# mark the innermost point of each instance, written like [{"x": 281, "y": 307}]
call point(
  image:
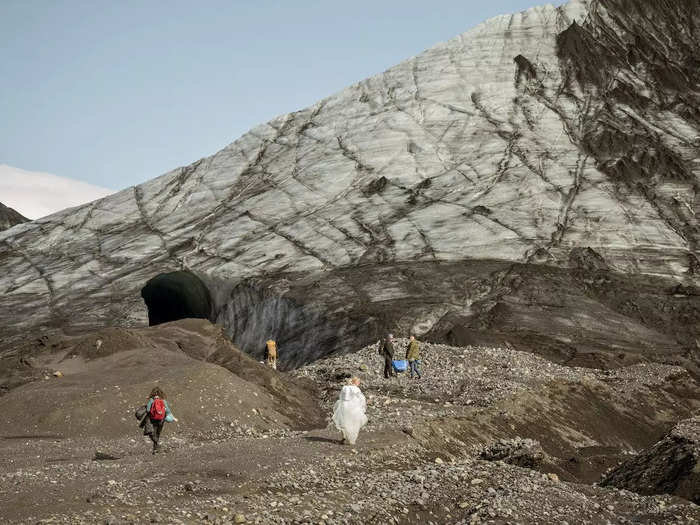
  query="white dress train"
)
[{"x": 349, "y": 412}]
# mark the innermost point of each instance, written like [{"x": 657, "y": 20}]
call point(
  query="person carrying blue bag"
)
[
  {"x": 400, "y": 365},
  {"x": 386, "y": 349},
  {"x": 413, "y": 355}
]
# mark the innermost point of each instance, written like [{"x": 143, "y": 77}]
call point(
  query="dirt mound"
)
[
  {"x": 103, "y": 343},
  {"x": 90, "y": 385},
  {"x": 668, "y": 467}
]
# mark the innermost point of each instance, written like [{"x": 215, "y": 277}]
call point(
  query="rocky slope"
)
[
  {"x": 488, "y": 435},
  {"x": 10, "y": 217},
  {"x": 532, "y": 182},
  {"x": 668, "y": 467},
  {"x": 470, "y": 397}
]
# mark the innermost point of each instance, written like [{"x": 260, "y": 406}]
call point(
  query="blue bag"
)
[{"x": 400, "y": 365}]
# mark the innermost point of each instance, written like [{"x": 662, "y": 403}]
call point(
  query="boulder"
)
[
  {"x": 525, "y": 453},
  {"x": 671, "y": 466}
]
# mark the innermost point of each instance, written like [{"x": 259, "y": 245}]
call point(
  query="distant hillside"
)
[{"x": 9, "y": 217}]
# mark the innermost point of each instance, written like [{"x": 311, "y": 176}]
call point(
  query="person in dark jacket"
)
[
  {"x": 156, "y": 397},
  {"x": 387, "y": 350},
  {"x": 413, "y": 356}
]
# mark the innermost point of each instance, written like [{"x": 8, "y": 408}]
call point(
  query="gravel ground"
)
[
  {"x": 455, "y": 378},
  {"x": 235, "y": 473}
]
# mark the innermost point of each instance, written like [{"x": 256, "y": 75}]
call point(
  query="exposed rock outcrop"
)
[
  {"x": 671, "y": 466},
  {"x": 10, "y": 217},
  {"x": 543, "y": 164}
]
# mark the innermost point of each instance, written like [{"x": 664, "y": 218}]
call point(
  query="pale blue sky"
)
[{"x": 117, "y": 92}]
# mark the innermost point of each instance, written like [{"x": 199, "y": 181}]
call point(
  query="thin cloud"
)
[{"x": 36, "y": 195}]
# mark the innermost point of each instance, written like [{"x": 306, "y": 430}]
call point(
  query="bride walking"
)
[{"x": 349, "y": 411}]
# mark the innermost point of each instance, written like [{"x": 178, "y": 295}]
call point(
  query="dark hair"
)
[{"x": 157, "y": 392}]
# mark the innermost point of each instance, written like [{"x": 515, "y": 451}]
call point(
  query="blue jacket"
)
[{"x": 168, "y": 415}]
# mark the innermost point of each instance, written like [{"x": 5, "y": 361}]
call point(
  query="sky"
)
[
  {"x": 115, "y": 93},
  {"x": 36, "y": 195}
]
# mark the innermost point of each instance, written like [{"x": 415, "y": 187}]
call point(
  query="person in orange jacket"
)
[{"x": 271, "y": 353}]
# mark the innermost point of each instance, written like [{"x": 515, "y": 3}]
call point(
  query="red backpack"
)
[{"x": 157, "y": 412}]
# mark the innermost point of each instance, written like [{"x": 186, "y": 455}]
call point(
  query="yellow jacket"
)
[{"x": 412, "y": 351}]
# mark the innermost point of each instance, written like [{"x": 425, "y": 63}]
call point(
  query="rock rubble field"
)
[{"x": 488, "y": 435}]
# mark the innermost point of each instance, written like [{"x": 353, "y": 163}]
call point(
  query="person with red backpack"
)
[{"x": 158, "y": 413}]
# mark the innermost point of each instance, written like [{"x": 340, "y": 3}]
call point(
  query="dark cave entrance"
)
[{"x": 176, "y": 295}]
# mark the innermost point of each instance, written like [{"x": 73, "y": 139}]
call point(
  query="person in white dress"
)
[{"x": 349, "y": 411}]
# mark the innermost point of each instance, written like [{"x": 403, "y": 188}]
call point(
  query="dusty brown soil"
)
[{"x": 107, "y": 375}]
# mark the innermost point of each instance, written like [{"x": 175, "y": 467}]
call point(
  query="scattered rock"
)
[
  {"x": 105, "y": 456},
  {"x": 525, "y": 453}
]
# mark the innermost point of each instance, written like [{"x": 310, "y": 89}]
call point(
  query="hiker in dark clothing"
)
[
  {"x": 158, "y": 412},
  {"x": 413, "y": 356},
  {"x": 387, "y": 350}
]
